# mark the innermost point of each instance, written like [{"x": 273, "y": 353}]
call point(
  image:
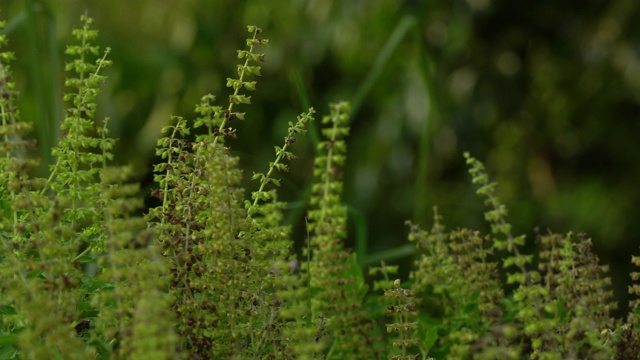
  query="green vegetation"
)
[{"x": 212, "y": 273}]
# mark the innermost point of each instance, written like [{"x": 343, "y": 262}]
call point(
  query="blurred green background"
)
[{"x": 546, "y": 93}]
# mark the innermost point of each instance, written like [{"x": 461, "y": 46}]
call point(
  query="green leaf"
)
[
  {"x": 34, "y": 274},
  {"x": 515, "y": 278},
  {"x": 254, "y": 70},
  {"x": 102, "y": 349},
  {"x": 86, "y": 259},
  {"x": 5, "y": 207},
  {"x": 166, "y": 129},
  {"x": 8, "y": 348},
  {"x": 471, "y": 308},
  {"x": 7, "y": 310},
  {"x": 428, "y": 338},
  {"x": 357, "y": 275},
  {"x": 7, "y": 352}
]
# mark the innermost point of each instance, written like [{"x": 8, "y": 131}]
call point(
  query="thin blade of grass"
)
[
  {"x": 390, "y": 254},
  {"x": 362, "y": 237},
  {"x": 14, "y": 23},
  {"x": 41, "y": 119},
  {"x": 303, "y": 95},
  {"x": 425, "y": 66},
  {"x": 405, "y": 24},
  {"x": 56, "y": 77}
]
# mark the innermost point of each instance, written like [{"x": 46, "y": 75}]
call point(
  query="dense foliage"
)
[
  {"x": 544, "y": 92},
  {"x": 211, "y": 273}
]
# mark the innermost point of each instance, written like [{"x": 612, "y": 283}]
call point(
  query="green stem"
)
[{"x": 237, "y": 88}]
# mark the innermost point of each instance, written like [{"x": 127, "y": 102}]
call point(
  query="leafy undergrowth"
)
[{"x": 211, "y": 273}]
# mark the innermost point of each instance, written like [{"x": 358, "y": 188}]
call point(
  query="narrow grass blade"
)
[
  {"x": 389, "y": 255},
  {"x": 362, "y": 237},
  {"x": 314, "y": 133},
  {"x": 41, "y": 120},
  {"x": 405, "y": 24},
  {"x": 425, "y": 66}
]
